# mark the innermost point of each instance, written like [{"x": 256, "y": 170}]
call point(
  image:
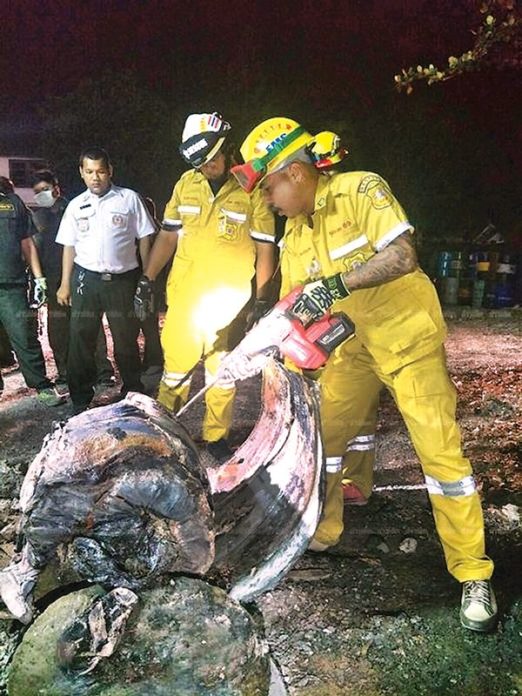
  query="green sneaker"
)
[
  {"x": 50, "y": 397},
  {"x": 478, "y": 609}
]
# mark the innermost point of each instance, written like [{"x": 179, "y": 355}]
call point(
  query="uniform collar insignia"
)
[{"x": 321, "y": 192}]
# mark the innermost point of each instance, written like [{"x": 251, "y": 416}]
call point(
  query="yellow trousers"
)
[
  {"x": 193, "y": 329},
  {"x": 426, "y": 400},
  {"x": 357, "y": 434}
]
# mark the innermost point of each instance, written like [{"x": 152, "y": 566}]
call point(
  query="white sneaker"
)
[{"x": 478, "y": 608}]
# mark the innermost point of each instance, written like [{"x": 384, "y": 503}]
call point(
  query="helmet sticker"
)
[{"x": 202, "y": 138}]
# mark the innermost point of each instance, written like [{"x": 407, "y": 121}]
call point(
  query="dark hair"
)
[
  {"x": 95, "y": 153},
  {"x": 44, "y": 175},
  {"x": 6, "y": 185}
]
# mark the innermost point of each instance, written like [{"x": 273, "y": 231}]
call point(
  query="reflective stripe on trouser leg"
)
[
  {"x": 349, "y": 400},
  {"x": 219, "y": 401},
  {"x": 169, "y": 394},
  {"x": 331, "y": 525},
  {"x": 426, "y": 399},
  {"x": 359, "y": 461},
  {"x": 182, "y": 348}
]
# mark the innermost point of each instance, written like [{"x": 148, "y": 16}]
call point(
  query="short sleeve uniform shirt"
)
[
  {"x": 15, "y": 225},
  {"x": 217, "y": 234},
  {"x": 103, "y": 229},
  {"x": 356, "y": 216}
]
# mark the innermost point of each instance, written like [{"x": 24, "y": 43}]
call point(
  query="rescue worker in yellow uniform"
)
[
  {"x": 223, "y": 239},
  {"x": 348, "y": 240}
]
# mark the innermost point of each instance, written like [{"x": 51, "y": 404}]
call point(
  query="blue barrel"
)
[
  {"x": 450, "y": 291},
  {"x": 505, "y": 285},
  {"x": 444, "y": 264}
]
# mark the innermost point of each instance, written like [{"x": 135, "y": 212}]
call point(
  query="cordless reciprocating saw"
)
[{"x": 308, "y": 347}]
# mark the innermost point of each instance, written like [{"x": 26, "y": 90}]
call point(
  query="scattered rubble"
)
[{"x": 361, "y": 621}]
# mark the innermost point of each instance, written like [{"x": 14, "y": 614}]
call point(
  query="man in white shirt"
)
[{"x": 100, "y": 271}]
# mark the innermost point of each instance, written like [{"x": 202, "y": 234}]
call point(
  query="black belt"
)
[{"x": 108, "y": 276}]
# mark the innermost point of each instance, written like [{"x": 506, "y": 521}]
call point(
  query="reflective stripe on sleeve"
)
[
  {"x": 171, "y": 224},
  {"x": 233, "y": 215},
  {"x": 453, "y": 489},
  {"x": 333, "y": 465},
  {"x": 347, "y": 248},
  {"x": 393, "y": 234},
  {"x": 189, "y": 209},
  {"x": 261, "y": 236},
  {"x": 361, "y": 443},
  {"x": 172, "y": 379}
]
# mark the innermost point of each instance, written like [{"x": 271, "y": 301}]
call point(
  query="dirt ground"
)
[{"x": 378, "y": 615}]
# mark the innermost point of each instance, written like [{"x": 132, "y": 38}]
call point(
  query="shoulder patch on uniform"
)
[
  {"x": 368, "y": 181},
  {"x": 377, "y": 191}
]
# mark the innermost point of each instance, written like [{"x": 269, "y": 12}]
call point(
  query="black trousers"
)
[
  {"x": 7, "y": 358},
  {"x": 91, "y": 297},
  {"x": 21, "y": 326},
  {"x": 153, "y": 352},
  {"x": 58, "y": 327}
]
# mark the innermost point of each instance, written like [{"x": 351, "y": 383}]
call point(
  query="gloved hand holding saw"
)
[
  {"x": 299, "y": 327},
  {"x": 317, "y": 297}
]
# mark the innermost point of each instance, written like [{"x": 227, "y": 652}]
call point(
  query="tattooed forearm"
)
[{"x": 394, "y": 261}]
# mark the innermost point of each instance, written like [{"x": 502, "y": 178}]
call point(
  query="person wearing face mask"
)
[
  {"x": 223, "y": 242},
  {"x": 47, "y": 217}
]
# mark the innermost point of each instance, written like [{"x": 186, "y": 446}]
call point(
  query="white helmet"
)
[{"x": 202, "y": 138}]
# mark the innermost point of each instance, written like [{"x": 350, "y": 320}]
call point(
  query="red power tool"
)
[
  {"x": 307, "y": 346},
  {"x": 310, "y": 346}
]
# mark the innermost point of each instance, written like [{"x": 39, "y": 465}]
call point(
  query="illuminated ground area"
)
[{"x": 373, "y": 618}]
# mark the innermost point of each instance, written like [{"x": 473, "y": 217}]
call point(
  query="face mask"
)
[{"x": 45, "y": 199}]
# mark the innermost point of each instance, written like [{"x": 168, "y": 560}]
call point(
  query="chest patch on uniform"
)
[
  {"x": 83, "y": 224},
  {"x": 229, "y": 224},
  {"x": 118, "y": 220},
  {"x": 6, "y": 206},
  {"x": 377, "y": 191}
]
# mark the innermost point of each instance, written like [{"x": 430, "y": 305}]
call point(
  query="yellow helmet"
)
[
  {"x": 325, "y": 150},
  {"x": 276, "y": 142}
]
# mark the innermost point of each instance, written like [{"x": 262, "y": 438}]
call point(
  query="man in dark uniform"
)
[
  {"x": 47, "y": 217},
  {"x": 16, "y": 244}
]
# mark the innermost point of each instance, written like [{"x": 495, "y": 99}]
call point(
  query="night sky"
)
[{"x": 329, "y": 64}]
